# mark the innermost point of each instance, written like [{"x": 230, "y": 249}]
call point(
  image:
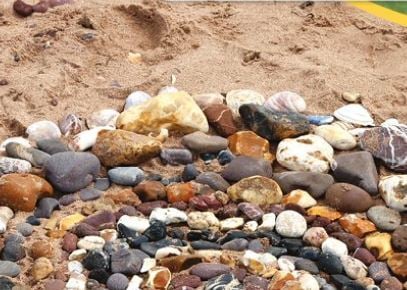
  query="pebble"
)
[
  {"x": 77, "y": 281},
  {"x": 95, "y": 259},
  {"x": 320, "y": 119},
  {"x": 207, "y": 99},
  {"x": 13, "y": 165},
  {"x": 71, "y": 124},
  {"x": 19, "y": 140},
  {"x": 67, "y": 199},
  {"x": 41, "y": 268},
  {"x": 41, "y": 249},
  {"x": 10, "y": 269},
  {"x": 45, "y": 207},
  {"x": 127, "y": 261},
  {"x": 354, "y": 114},
  {"x": 71, "y": 171},
  {"x": 220, "y": 117},
  {"x": 13, "y": 249},
  {"x": 354, "y": 268},
  {"x": 202, "y": 143},
  {"x": 286, "y": 101},
  {"x": 189, "y": 173},
  {"x": 380, "y": 245},
  {"x": 117, "y": 281},
  {"x": 106, "y": 117},
  {"x": 236, "y": 98},
  {"x": 399, "y": 238},
  {"x": 214, "y": 180},
  {"x": 311, "y": 253},
  {"x": 128, "y": 176},
  {"x": 135, "y": 283},
  {"x": 306, "y": 153},
  {"x": 91, "y": 243},
  {"x": 393, "y": 191},
  {"x": 248, "y": 143},
  {"x": 231, "y": 223},
  {"x": 68, "y": 222},
  {"x": 379, "y": 271},
  {"x": 299, "y": 197},
  {"x": 291, "y": 224},
  {"x": 334, "y": 247},
  {"x": 54, "y": 284},
  {"x": 330, "y": 263},
  {"x": 136, "y": 98},
  {"x": 32, "y": 220},
  {"x": 158, "y": 278},
  {"x": 225, "y": 281},
  {"x": 88, "y": 194},
  {"x": 364, "y": 255},
  {"x": 42, "y": 130},
  {"x": 52, "y": 146},
  {"x": 176, "y": 156},
  {"x": 268, "y": 222},
  {"x": 351, "y": 241},
  {"x": 156, "y": 231},
  {"x": 168, "y": 215},
  {"x": 351, "y": 97},
  {"x": 348, "y": 198},
  {"x": 306, "y": 265},
  {"x": 36, "y": 157},
  {"x": 102, "y": 183},
  {"x": 5, "y": 215},
  {"x": 315, "y": 236},
  {"x": 384, "y": 218},
  {"x": 202, "y": 220},
  {"x": 251, "y": 211},
  {"x": 206, "y": 271},
  {"x": 25, "y": 229},
  {"x": 391, "y": 283},
  {"x": 86, "y": 139},
  {"x": 6, "y": 283},
  {"x": 244, "y": 166},
  {"x": 75, "y": 266},
  {"x": 337, "y": 137},
  {"x": 397, "y": 264},
  {"x": 186, "y": 280},
  {"x": 69, "y": 242},
  {"x": 357, "y": 224},
  {"x": 134, "y": 223}
]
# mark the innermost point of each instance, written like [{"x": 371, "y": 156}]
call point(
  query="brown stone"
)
[
  {"x": 150, "y": 190},
  {"x": 250, "y": 144},
  {"x": 357, "y": 225},
  {"x": 346, "y": 197},
  {"x": 41, "y": 249},
  {"x": 179, "y": 263},
  {"x": 21, "y": 191},
  {"x": 124, "y": 196},
  {"x": 398, "y": 264},
  {"x": 364, "y": 255},
  {"x": 399, "y": 238},
  {"x": 42, "y": 268},
  {"x": 391, "y": 283},
  {"x": 56, "y": 234},
  {"x": 147, "y": 207},
  {"x": 180, "y": 192},
  {"x": 69, "y": 242},
  {"x": 54, "y": 284},
  {"x": 119, "y": 147},
  {"x": 324, "y": 211},
  {"x": 186, "y": 280},
  {"x": 220, "y": 117}
]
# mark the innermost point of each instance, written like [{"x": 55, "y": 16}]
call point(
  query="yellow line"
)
[{"x": 381, "y": 12}]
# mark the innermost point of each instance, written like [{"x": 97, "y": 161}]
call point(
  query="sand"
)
[{"x": 318, "y": 51}]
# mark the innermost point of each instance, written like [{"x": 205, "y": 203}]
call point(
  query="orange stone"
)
[
  {"x": 324, "y": 211},
  {"x": 398, "y": 264},
  {"x": 180, "y": 192},
  {"x": 21, "y": 191},
  {"x": 357, "y": 225},
  {"x": 41, "y": 249},
  {"x": 124, "y": 196},
  {"x": 250, "y": 144},
  {"x": 280, "y": 279}
]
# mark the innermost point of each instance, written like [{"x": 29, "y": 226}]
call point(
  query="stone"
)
[
  {"x": 337, "y": 137},
  {"x": 20, "y": 191},
  {"x": 106, "y": 117},
  {"x": 67, "y": 199},
  {"x": 312, "y": 182},
  {"x": 387, "y": 144},
  {"x": 384, "y": 218},
  {"x": 54, "y": 284},
  {"x": 220, "y": 117},
  {"x": 334, "y": 247},
  {"x": 19, "y": 140},
  {"x": 42, "y": 130},
  {"x": 189, "y": 173},
  {"x": 91, "y": 243},
  {"x": 41, "y": 249},
  {"x": 236, "y": 245},
  {"x": 13, "y": 165},
  {"x": 186, "y": 280},
  {"x": 251, "y": 211},
  {"x": 236, "y": 98},
  {"x": 291, "y": 224},
  {"x": 128, "y": 176},
  {"x": 364, "y": 255},
  {"x": 399, "y": 238},
  {"x": 391, "y": 283},
  {"x": 244, "y": 166},
  {"x": 268, "y": 222},
  {"x": 180, "y": 192},
  {"x": 380, "y": 245},
  {"x": 397, "y": 263},
  {"x": 202, "y": 143},
  {"x": 5, "y": 215},
  {"x": 173, "y": 111},
  {"x": 306, "y": 265},
  {"x": 135, "y": 283},
  {"x": 205, "y": 202},
  {"x": 125, "y": 196},
  {"x": 71, "y": 171},
  {"x": 175, "y": 156},
  {"x": 206, "y": 271},
  {"x": 126, "y": 261},
  {"x": 280, "y": 279},
  {"x": 214, "y": 180},
  {"x": 150, "y": 190},
  {"x": 41, "y": 268},
  {"x": 325, "y": 212},
  {"x": 117, "y": 281},
  {"x": 393, "y": 189},
  {"x": 25, "y": 229},
  {"x": 102, "y": 183},
  {"x": 180, "y": 263},
  {"x": 36, "y": 157},
  {"x": 258, "y": 190},
  {"x": 168, "y": 215},
  {"x": 351, "y": 97},
  {"x": 87, "y": 194},
  {"x": 77, "y": 281},
  {"x": 120, "y": 148},
  {"x": 86, "y": 139},
  {"x": 136, "y": 98},
  {"x": 69, "y": 242},
  {"x": 158, "y": 278},
  {"x": 351, "y": 241},
  {"x": 32, "y": 220},
  {"x": 156, "y": 231},
  {"x": 71, "y": 125},
  {"x": 147, "y": 207},
  {"x": 70, "y": 221},
  {"x": 311, "y": 253},
  {"x": 379, "y": 271},
  {"x": 354, "y": 268},
  {"x": 231, "y": 223},
  {"x": 357, "y": 168},
  {"x": 135, "y": 223},
  {"x": 315, "y": 236},
  {"x": 52, "y": 146},
  {"x": 348, "y": 198},
  {"x": 83, "y": 230},
  {"x": 310, "y": 153},
  {"x": 9, "y": 269},
  {"x": 45, "y": 207},
  {"x": 248, "y": 143},
  {"x": 75, "y": 266},
  {"x": 202, "y": 220},
  {"x": 299, "y": 197},
  {"x": 357, "y": 225},
  {"x": 286, "y": 101},
  {"x": 273, "y": 125},
  {"x": 207, "y": 99},
  {"x": 95, "y": 259},
  {"x": 330, "y": 263}
]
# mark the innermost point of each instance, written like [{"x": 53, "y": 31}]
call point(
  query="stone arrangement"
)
[{"x": 206, "y": 192}]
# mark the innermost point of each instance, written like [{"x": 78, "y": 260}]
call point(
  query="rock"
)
[
  {"x": 224, "y": 157},
  {"x": 102, "y": 183},
  {"x": 251, "y": 211},
  {"x": 325, "y": 212},
  {"x": 231, "y": 223},
  {"x": 357, "y": 168},
  {"x": 6, "y": 283},
  {"x": 273, "y": 125},
  {"x": 248, "y": 143},
  {"x": 206, "y": 271},
  {"x": 21, "y": 191},
  {"x": 67, "y": 199},
  {"x": 311, "y": 253},
  {"x": 330, "y": 263},
  {"x": 34, "y": 156},
  {"x": 150, "y": 190},
  {"x": 5, "y": 215},
  {"x": 364, "y": 255},
  {"x": 397, "y": 263},
  {"x": 42, "y": 130},
  {"x": 168, "y": 215},
  {"x": 202, "y": 143},
  {"x": 393, "y": 190},
  {"x": 174, "y": 111},
  {"x": 156, "y": 231},
  {"x": 45, "y": 207},
  {"x": 319, "y": 120},
  {"x": 87, "y": 194},
  {"x": 380, "y": 245},
  {"x": 9, "y": 269},
  {"x": 243, "y": 166},
  {"x": 54, "y": 284},
  {"x": 186, "y": 280},
  {"x": 348, "y": 198},
  {"x": 71, "y": 124},
  {"x": 129, "y": 176},
  {"x": 126, "y": 261},
  {"x": 95, "y": 259},
  {"x": 180, "y": 263},
  {"x": 258, "y": 190},
  {"x": 354, "y": 114},
  {"x": 136, "y": 98},
  {"x": 20, "y": 140},
  {"x": 176, "y": 156},
  {"x": 119, "y": 147},
  {"x": 158, "y": 278},
  {"x": 68, "y": 222},
  {"x": 189, "y": 173},
  {"x": 306, "y": 153},
  {"x": 208, "y": 99},
  {"x": 83, "y": 230},
  {"x": 202, "y": 220},
  {"x": 334, "y": 247},
  {"x": 291, "y": 224},
  {"x": 236, "y": 98},
  {"x": 106, "y": 117},
  {"x": 351, "y": 97},
  {"x": 315, "y": 236},
  {"x": 86, "y": 139},
  {"x": 312, "y": 182},
  {"x": 221, "y": 118},
  {"x": 379, "y": 271},
  {"x": 77, "y": 281},
  {"x": 52, "y": 146},
  {"x": 336, "y": 137},
  {"x": 214, "y": 180},
  {"x": 41, "y": 268},
  {"x": 351, "y": 241},
  {"x": 13, "y": 165},
  {"x": 354, "y": 268},
  {"x": 391, "y": 283},
  {"x": 384, "y": 218},
  {"x": 41, "y": 249},
  {"x": 306, "y": 265},
  {"x": 286, "y": 101},
  {"x": 205, "y": 202},
  {"x": 69, "y": 242},
  {"x": 399, "y": 238},
  {"x": 147, "y": 207},
  {"x": 180, "y": 192},
  {"x": 135, "y": 283},
  {"x": 299, "y": 197},
  {"x": 75, "y": 266},
  {"x": 269, "y": 221},
  {"x": 388, "y": 144},
  {"x": 134, "y": 223},
  {"x": 25, "y": 229},
  {"x": 117, "y": 282},
  {"x": 71, "y": 171},
  {"x": 91, "y": 243},
  {"x": 125, "y": 196},
  {"x": 357, "y": 225}
]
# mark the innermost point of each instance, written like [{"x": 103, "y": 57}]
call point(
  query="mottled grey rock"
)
[
  {"x": 52, "y": 146},
  {"x": 102, "y": 183},
  {"x": 384, "y": 218},
  {"x": 25, "y": 229},
  {"x": 126, "y": 261},
  {"x": 129, "y": 176},
  {"x": 34, "y": 156},
  {"x": 90, "y": 194},
  {"x": 9, "y": 269},
  {"x": 117, "y": 282},
  {"x": 244, "y": 166}
]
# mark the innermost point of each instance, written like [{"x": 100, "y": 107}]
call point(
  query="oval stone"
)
[{"x": 348, "y": 198}]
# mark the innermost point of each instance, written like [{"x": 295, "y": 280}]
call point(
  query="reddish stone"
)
[
  {"x": 251, "y": 211},
  {"x": 150, "y": 190},
  {"x": 100, "y": 219},
  {"x": 250, "y": 144},
  {"x": 351, "y": 241},
  {"x": 69, "y": 242},
  {"x": 147, "y": 207},
  {"x": 186, "y": 280},
  {"x": 357, "y": 225},
  {"x": 41, "y": 249},
  {"x": 205, "y": 202},
  {"x": 364, "y": 255},
  {"x": 125, "y": 196},
  {"x": 220, "y": 117},
  {"x": 180, "y": 192}
]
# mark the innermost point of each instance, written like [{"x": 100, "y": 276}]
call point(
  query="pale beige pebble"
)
[
  {"x": 335, "y": 247},
  {"x": 135, "y": 283},
  {"x": 285, "y": 264},
  {"x": 250, "y": 226},
  {"x": 268, "y": 222},
  {"x": 365, "y": 281},
  {"x": 231, "y": 223},
  {"x": 265, "y": 258},
  {"x": 354, "y": 268},
  {"x": 77, "y": 281},
  {"x": 86, "y": 139},
  {"x": 207, "y": 99},
  {"x": 135, "y": 223},
  {"x": 68, "y": 222},
  {"x": 336, "y": 137},
  {"x": 351, "y": 97},
  {"x": 43, "y": 130},
  {"x": 106, "y": 117},
  {"x": 167, "y": 251},
  {"x": 75, "y": 266},
  {"x": 354, "y": 114},
  {"x": 134, "y": 57},
  {"x": 6, "y": 214},
  {"x": 148, "y": 264},
  {"x": 42, "y": 268},
  {"x": 91, "y": 243},
  {"x": 20, "y": 140},
  {"x": 393, "y": 189},
  {"x": 109, "y": 235},
  {"x": 306, "y": 280},
  {"x": 202, "y": 220},
  {"x": 236, "y": 98},
  {"x": 78, "y": 254},
  {"x": 300, "y": 197},
  {"x": 315, "y": 236}
]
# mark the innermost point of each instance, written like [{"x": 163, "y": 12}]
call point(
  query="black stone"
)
[
  {"x": 175, "y": 233},
  {"x": 32, "y": 220},
  {"x": 330, "y": 264},
  {"x": 154, "y": 177},
  {"x": 208, "y": 157},
  {"x": 306, "y": 265},
  {"x": 206, "y": 235},
  {"x": 275, "y": 239},
  {"x": 136, "y": 242},
  {"x": 277, "y": 251},
  {"x": 13, "y": 249},
  {"x": 233, "y": 235},
  {"x": 353, "y": 285},
  {"x": 156, "y": 231},
  {"x": 100, "y": 275},
  {"x": 96, "y": 259},
  {"x": 225, "y": 157},
  {"x": 293, "y": 246},
  {"x": 311, "y": 253},
  {"x": 6, "y": 283},
  {"x": 205, "y": 245},
  {"x": 339, "y": 280},
  {"x": 189, "y": 173}
]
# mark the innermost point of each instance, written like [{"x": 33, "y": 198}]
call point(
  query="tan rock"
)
[
  {"x": 119, "y": 147},
  {"x": 124, "y": 196},
  {"x": 250, "y": 144},
  {"x": 42, "y": 268},
  {"x": 299, "y": 197},
  {"x": 380, "y": 245},
  {"x": 398, "y": 264},
  {"x": 357, "y": 225},
  {"x": 70, "y": 221},
  {"x": 324, "y": 211},
  {"x": 41, "y": 249},
  {"x": 174, "y": 111}
]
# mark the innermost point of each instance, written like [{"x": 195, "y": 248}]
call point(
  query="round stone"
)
[
  {"x": 399, "y": 238},
  {"x": 25, "y": 229},
  {"x": 378, "y": 271},
  {"x": 117, "y": 282},
  {"x": 315, "y": 236},
  {"x": 330, "y": 263},
  {"x": 334, "y": 247},
  {"x": 291, "y": 224},
  {"x": 348, "y": 198},
  {"x": 384, "y": 218}
]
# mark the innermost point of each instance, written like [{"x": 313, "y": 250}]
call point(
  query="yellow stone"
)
[
  {"x": 42, "y": 268},
  {"x": 70, "y": 221},
  {"x": 250, "y": 144},
  {"x": 173, "y": 111},
  {"x": 324, "y": 211},
  {"x": 380, "y": 245}
]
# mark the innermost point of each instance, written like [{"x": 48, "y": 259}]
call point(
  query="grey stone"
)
[
  {"x": 9, "y": 269},
  {"x": 126, "y": 261},
  {"x": 206, "y": 271},
  {"x": 214, "y": 180},
  {"x": 34, "y": 156},
  {"x": 45, "y": 207},
  {"x": 102, "y": 183},
  {"x": 384, "y": 218},
  {"x": 176, "y": 156},
  {"x": 202, "y": 143},
  {"x": 87, "y": 194},
  {"x": 25, "y": 229},
  {"x": 129, "y": 176},
  {"x": 236, "y": 245},
  {"x": 117, "y": 282},
  {"x": 244, "y": 166},
  {"x": 52, "y": 146}
]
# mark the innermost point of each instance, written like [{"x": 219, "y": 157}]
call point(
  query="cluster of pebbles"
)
[{"x": 206, "y": 192}]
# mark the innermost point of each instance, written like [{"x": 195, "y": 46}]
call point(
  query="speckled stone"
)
[{"x": 384, "y": 218}]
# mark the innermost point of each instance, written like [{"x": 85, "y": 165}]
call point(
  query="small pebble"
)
[{"x": 25, "y": 229}]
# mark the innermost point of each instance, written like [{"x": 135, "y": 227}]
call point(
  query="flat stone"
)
[
  {"x": 126, "y": 261},
  {"x": 384, "y": 218},
  {"x": 244, "y": 166},
  {"x": 202, "y": 143},
  {"x": 14, "y": 165},
  {"x": 336, "y": 136},
  {"x": 36, "y": 157},
  {"x": 357, "y": 225},
  {"x": 175, "y": 156},
  {"x": 87, "y": 194},
  {"x": 214, "y": 180},
  {"x": 248, "y": 143},
  {"x": 206, "y": 271},
  {"x": 399, "y": 238},
  {"x": 348, "y": 198},
  {"x": 52, "y": 146},
  {"x": 220, "y": 117},
  {"x": 9, "y": 269},
  {"x": 129, "y": 176}
]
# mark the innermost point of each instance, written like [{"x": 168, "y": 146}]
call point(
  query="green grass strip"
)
[{"x": 399, "y": 6}]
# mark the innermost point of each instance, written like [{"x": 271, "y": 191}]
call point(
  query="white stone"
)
[
  {"x": 231, "y": 223},
  {"x": 335, "y": 247},
  {"x": 136, "y": 98},
  {"x": 109, "y": 235},
  {"x": 291, "y": 224},
  {"x": 134, "y": 223},
  {"x": 393, "y": 190},
  {"x": 390, "y": 122},
  {"x": 250, "y": 226},
  {"x": 307, "y": 281},
  {"x": 19, "y": 140},
  {"x": 135, "y": 283},
  {"x": 5, "y": 215},
  {"x": 43, "y": 130},
  {"x": 75, "y": 266},
  {"x": 14, "y": 165},
  {"x": 166, "y": 252},
  {"x": 78, "y": 254},
  {"x": 354, "y": 268},
  {"x": 354, "y": 114},
  {"x": 337, "y": 137},
  {"x": 236, "y": 98},
  {"x": 315, "y": 236},
  {"x": 86, "y": 139},
  {"x": 207, "y": 99},
  {"x": 301, "y": 198},
  {"x": 306, "y": 153},
  {"x": 269, "y": 221},
  {"x": 285, "y": 264},
  {"x": 202, "y": 220},
  {"x": 91, "y": 243},
  {"x": 148, "y": 264},
  {"x": 103, "y": 118},
  {"x": 167, "y": 90},
  {"x": 265, "y": 258},
  {"x": 168, "y": 215},
  {"x": 77, "y": 281}
]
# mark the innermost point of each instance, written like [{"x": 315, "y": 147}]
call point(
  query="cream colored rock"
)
[
  {"x": 107, "y": 117},
  {"x": 77, "y": 281},
  {"x": 250, "y": 226},
  {"x": 43, "y": 130},
  {"x": 91, "y": 243},
  {"x": 351, "y": 97},
  {"x": 354, "y": 268},
  {"x": 135, "y": 283},
  {"x": 265, "y": 258},
  {"x": 86, "y": 139},
  {"x": 269, "y": 222},
  {"x": 236, "y": 98},
  {"x": 19, "y": 140},
  {"x": 135, "y": 223},
  {"x": 148, "y": 264},
  {"x": 337, "y": 137},
  {"x": 202, "y": 220},
  {"x": 208, "y": 99},
  {"x": 300, "y": 197},
  {"x": 6, "y": 214},
  {"x": 173, "y": 111},
  {"x": 231, "y": 223},
  {"x": 77, "y": 255},
  {"x": 306, "y": 153},
  {"x": 393, "y": 190}
]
